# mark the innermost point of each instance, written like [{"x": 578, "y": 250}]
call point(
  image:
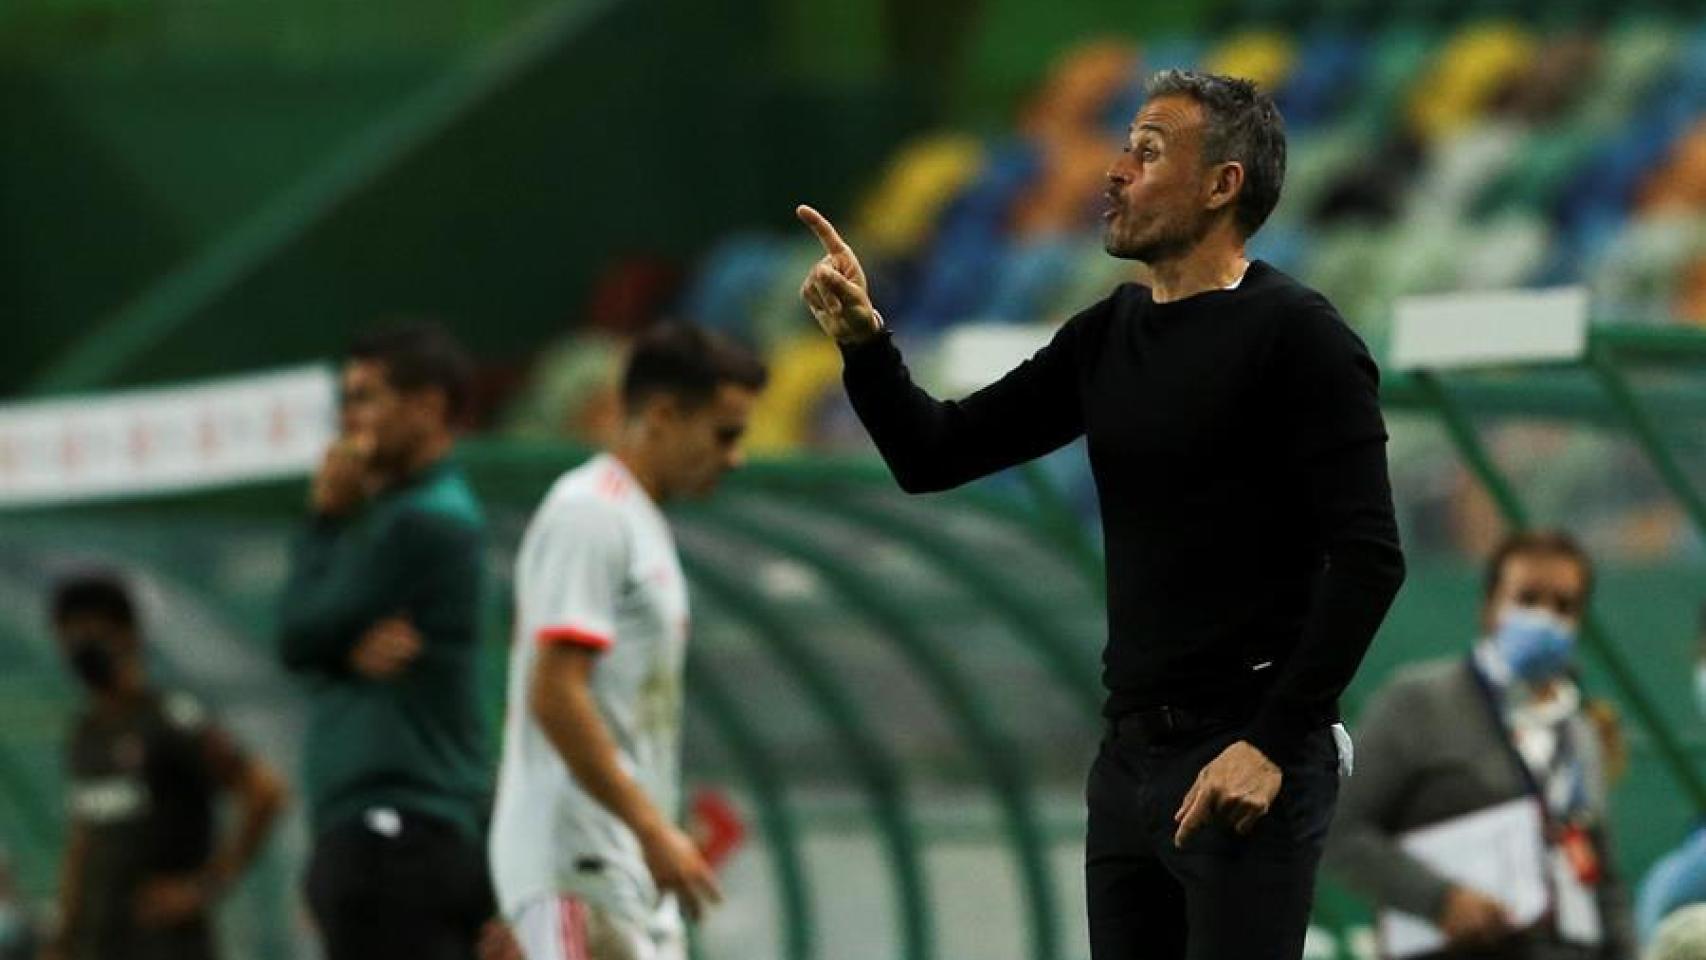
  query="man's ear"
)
[
  {"x": 436, "y": 403},
  {"x": 660, "y": 410},
  {"x": 1228, "y": 183}
]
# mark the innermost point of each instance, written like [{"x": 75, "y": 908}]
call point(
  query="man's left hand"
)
[
  {"x": 497, "y": 942},
  {"x": 1238, "y": 786},
  {"x": 386, "y": 648}
]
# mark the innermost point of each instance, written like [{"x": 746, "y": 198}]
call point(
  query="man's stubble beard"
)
[{"x": 1151, "y": 251}]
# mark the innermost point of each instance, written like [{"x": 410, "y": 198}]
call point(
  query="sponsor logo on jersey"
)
[{"x": 109, "y": 800}]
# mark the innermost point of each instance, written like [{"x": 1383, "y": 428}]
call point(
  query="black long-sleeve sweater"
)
[{"x": 1240, "y": 462}]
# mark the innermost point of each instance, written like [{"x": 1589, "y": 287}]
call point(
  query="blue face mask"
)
[{"x": 1536, "y": 645}]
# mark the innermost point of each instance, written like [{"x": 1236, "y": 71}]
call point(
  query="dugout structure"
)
[{"x": 900, "y": 693}]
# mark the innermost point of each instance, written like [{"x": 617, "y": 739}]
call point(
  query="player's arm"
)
[
  {"x": 1328, "y": 388},
  {"x": 344, "y": 610},
  {"x": 259, "y": 795},
  {"x": 322, "y": 587},
  {"x": 573, "y": 565},
  {"x": 69, "y": 928},
  {"x": 313, "y": 627},
  {"x": 927, "y": 443},
  {"x": 561, "y": 699}
]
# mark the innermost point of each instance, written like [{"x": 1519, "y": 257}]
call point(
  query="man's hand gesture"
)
[
  {"x": 835, "y": 290},
  {"x": 386, "y": 648},
  {"x": 678, "y": 867},
  {"x": 1237, "y": 787},
  {"x": 341, "y": 483}
]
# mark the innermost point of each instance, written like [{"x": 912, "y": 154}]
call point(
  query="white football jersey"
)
[{"x": 598, "y": 568}]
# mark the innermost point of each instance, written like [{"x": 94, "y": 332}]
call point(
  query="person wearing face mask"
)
[
  {"x": 1678, "y": 879},
  {"x": 1452, "y": 737},
  {"x": 144, "y": 865}
]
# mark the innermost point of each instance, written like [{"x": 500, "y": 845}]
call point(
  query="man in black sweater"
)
[{"x": 1239, "y": 454}]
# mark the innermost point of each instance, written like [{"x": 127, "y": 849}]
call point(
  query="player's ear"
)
[
  {"x": 1228, "y": 182},
  {"x": 434, "y": 403},
  {"x": 661, "y": 411}
]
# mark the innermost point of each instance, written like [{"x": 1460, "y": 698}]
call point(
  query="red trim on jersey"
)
[
  {"x": 571, "y": 925},
  {"x": 574, "y": 635},
  {"x": 613, "y": 484}
]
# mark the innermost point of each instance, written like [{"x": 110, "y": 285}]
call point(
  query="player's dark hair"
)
[
  {"x": 93, "y": 593},
  {"x": 688, "y": 363},
  {"x": 1240, "y": 123},
  {"x": 421, "y": 355},
  {"x": 1536, "y": 543}
]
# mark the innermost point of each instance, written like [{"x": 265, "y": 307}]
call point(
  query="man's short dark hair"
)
[
  {"x": 421, "y": 356},
  {"x": 1240, "y": 123},
  {"x": 688, "y": 363},
  {"x": 1536, "y": 543},
  {"x": 93, "y": 593}
]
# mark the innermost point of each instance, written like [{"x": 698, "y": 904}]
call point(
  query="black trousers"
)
[
  {"x": 420, "y": 892},
  {"x": 1224, "y": 896}
]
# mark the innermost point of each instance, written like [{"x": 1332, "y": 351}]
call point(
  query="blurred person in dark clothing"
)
[
  {"x": 380, "y": 616},
  {"x": 143, "y": 864},
  {"x": 1449, "y": 738}
]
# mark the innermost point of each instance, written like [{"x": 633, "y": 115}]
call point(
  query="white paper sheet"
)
[
  {"x": 1499, "y": 851},
  {"x": 1578, "y": 910}
]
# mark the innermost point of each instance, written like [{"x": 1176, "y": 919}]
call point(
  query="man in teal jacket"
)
[{"x": 380, "y": 617}]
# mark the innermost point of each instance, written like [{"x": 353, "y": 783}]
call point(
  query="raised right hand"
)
[
  {"x": 835, "y": 290},
  {"x": 1472, "y": 919},
  {"x": 342, "y": 480},
  {"x": 678, "y": 867}
]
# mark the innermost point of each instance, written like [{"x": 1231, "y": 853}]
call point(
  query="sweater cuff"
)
[
  {"x": 878, "y": 351},
  {"x": 1279, "y": 734}
]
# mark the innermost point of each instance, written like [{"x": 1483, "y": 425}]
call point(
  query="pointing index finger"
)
[
  {"x": 820, "y": 225},
  {"x": 1201, "y": 807}
]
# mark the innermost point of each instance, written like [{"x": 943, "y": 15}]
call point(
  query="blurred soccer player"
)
[
  {"x": 588, "y": 862},
  {"x": 1239, "y": 454},
  {"x": 143, "y": 865},
  {"x": 380, "y": 615}
]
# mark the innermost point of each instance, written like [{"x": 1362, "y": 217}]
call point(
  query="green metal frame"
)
[
  {"x": 844, "y": 489},
  {"x": 968, "y": 709},
  {"x": 1076, "y": 674},
  {"x": 761, "y": 773},
  {"x": 524, "y": 470},
  {"x": 881, "y": 775}
]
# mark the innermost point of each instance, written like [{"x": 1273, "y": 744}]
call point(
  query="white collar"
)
[{"x": 1235, "y": 284}]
